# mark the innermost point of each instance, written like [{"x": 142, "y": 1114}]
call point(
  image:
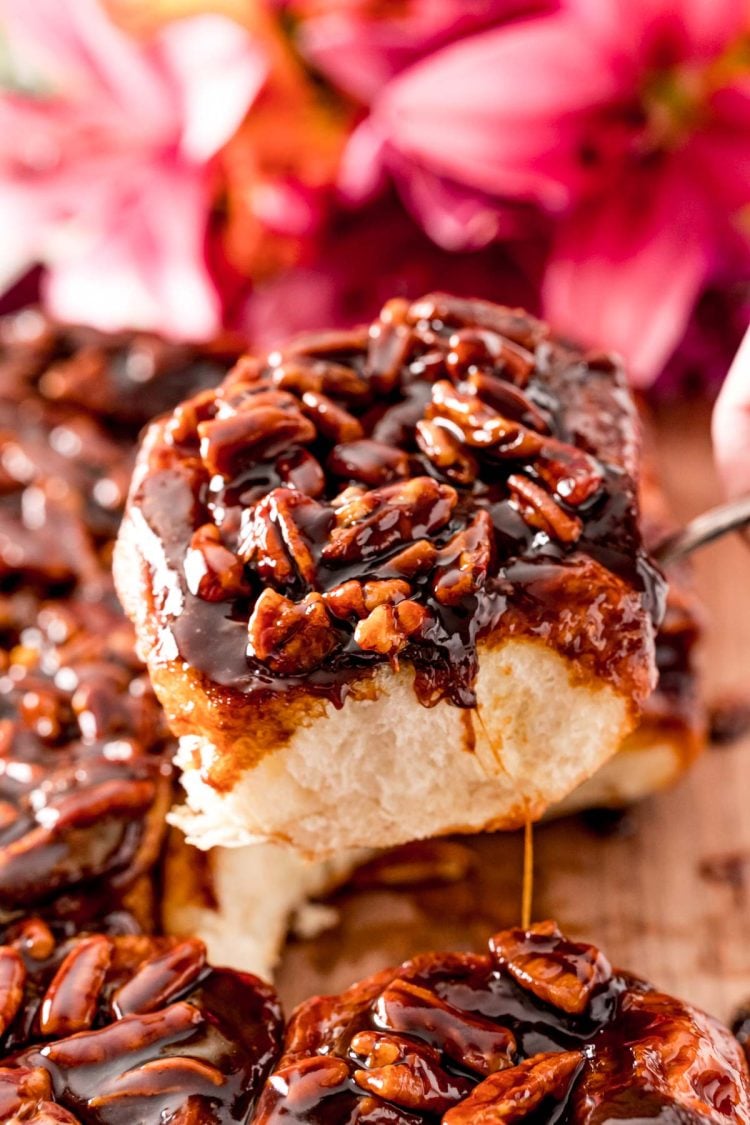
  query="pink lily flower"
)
[
  {"x": 106, "y": 170},
  {"x": 360, "y": 45},
  {"x": 628, "y": 129}
]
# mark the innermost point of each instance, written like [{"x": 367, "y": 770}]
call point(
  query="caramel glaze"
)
[
  {"x": 84, "y": 760},
  {"x": 506, "y": 461},
  {"x": 85, "y": 779},
  {"x": 116, "y": 1028},
  {"x": 538, "y": 1030}
]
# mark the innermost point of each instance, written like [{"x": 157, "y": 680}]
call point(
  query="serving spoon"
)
[{"x": 704, "y": 529}]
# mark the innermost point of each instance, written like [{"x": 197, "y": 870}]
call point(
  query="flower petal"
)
[
  {"x": 626, "y": 269},
  {"x": 217, "y": 70},
  {"x": 360, "y": 49},
  {"x": 690, "y": 29},
  {"x": 142, "y": 265},
  {"x": 81, "y": 53},
  {"x": 504, "y": 111}
]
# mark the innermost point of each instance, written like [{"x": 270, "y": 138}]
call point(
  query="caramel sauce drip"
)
[{"x": 527, "y": 894}]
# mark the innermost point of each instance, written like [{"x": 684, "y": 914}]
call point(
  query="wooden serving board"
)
[{"x": 665, "y": 892}]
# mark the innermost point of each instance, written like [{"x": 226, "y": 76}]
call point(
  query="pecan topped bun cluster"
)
[
  {"x": 394, "y": 492},
  {"x": 85, "y": 779},
  {"x": 104, "y": 1029},
  {"x": 539, "y": 1030}
]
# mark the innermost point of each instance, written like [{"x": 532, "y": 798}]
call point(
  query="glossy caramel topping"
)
[
  {"x": 124, "y": 378},
  {"x": 84, "y": 775},
  {"x": 105, "y": 1029},
  {"x": 84, "y": 760},
  {"x": 538, "y": 1030},
  {"x": 397, "y": 492}
]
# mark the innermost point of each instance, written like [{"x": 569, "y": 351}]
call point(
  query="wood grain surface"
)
[{"x": 665, "y": 891}]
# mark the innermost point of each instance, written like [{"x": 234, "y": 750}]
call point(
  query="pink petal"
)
[
  {"x": 85, "y": 57},
  {"x": 455, "y": 218},
  {"x": 145, "y": 266},
  {"x": 360, "y": 49},
  {"x": 504, "y": 111},
  {"x": 627, "y": 268},
  {"x": 673, "y": 32},
  {"x": 721, "y": 149},
  {"x": 731, "y": 425},
  {"x": 217, "y": 70}
]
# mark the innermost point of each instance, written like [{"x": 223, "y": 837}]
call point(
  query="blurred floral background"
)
[{"x": 278, "y": 165}]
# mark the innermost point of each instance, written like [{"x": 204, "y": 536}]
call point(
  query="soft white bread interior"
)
[
  {"x": 653, "y": 757},
  {"x": 242, "y": 902},
  {"x": 385, "y": 769}
]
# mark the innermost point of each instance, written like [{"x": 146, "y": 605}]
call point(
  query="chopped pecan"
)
[
  {"x": 417, "y": 558},
  {"x": 212, "y": 571},
  {"x": 370, "y": 462},
  {"x": 479, "y": 425},
  {"x": 389, "y": 628},
  {"x": 241, "y": 398},
  {"x": 476, "y": 349},
  {"x": 539, "y": 510},
  {"x": 559, "y": 972},
  {"x": 406, "y": 1072},
  {"x": 471, "y": 1040},
  {"x": 519, "y": 1092},
  {"x": 388, "y": 346},
  {"x": 356, "y": 599},
  {"x": 302, "y": 374},
  {"x": 182, "y": 427},
  {"x": 446, "y": 452},
  {"x": 508, "y": 400},
  {"x": 332, "y": 421},
  {"x": 515, "y": 324},
  {"x": 276, "y": 536},
  {"x": 464, "y": 561},
  {"x": 380, "y": 520},
  {"x": 12, "y": 979},
  {"x": 300, "y": 471},
  {"x": 26, "y": 1096},
  {"x": 573, "y": 475},
  {"x": 347, "y": 600},
  {"x": 290, "y": 637},
  {"x": 255, "y": 434}
]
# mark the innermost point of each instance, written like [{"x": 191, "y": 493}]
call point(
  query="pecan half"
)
[
  {"x": 539, "y": 510},
  {"x": 470, "y": 1040},
  {"x": 406, "y": 1072},
  {"x": 446, "y": 452},
  {"x": 560, "y": 972},
  {"x": 332, "y": 421},
  {"x": 519, "y": 1092},
  {"x": 372, "y": 463},
  {"x": 479, "y": 425},
  {"x": 276, "y": 536},
  {"x": 254, "y": 434}
]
